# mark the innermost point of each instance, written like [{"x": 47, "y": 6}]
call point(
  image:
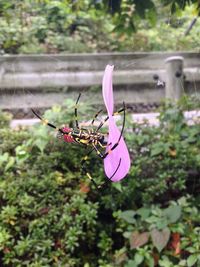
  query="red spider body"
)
[
  {"x": 82, "y": 136},
  {"x": 67, "y": 137}
]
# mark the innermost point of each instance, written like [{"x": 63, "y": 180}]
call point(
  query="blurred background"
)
[{"x": 31, "y": 27}]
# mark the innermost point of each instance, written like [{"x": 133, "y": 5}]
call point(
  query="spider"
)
[{"x": 87, "y": 137}]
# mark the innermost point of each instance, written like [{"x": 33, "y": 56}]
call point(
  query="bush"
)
[
  {"x": 53, "y": 27},
  {"x": 76, "y": 27},
  {"x": 5, "y": 119},
  {"x": 45, "y": 219},
  {"x": 158, "y": 236},
  {"x": 157, "y": 210},
  {"x": 51, "y": 215}
]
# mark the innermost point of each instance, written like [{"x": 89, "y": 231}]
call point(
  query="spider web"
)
[{"x": 21, "y": 100}]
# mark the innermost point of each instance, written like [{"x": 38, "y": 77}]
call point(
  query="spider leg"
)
[
  {"x": 95, "y": 116},
  {"x": 76, "y": 111},
  {"x": 120, "y": 136},
  {"x": 102, "y": 156},
  {"x": 105, "y": 120},
  {"x": 110, "y": 178},
  {"x": 46, "y": 122},
  {"x": 103, "y": 146},
  {"x": 83, "y": 161},
  {"x": 98, "y": 151}
]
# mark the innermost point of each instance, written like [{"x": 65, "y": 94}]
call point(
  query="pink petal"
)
[
  {"x": 118, "y": 161},
  {"x": 108, "y": 89}
]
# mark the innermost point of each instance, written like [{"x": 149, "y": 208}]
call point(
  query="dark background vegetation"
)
[{"x": 58, "y": 26}]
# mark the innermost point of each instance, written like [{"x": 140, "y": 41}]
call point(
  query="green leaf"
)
[
  {"x": 117, "y": 186},
  {"x": 160, "y": 238},
  {"x": 3, "y": 158},
  {"x": 127, "y": 234},
  {"x": 138, "y": 258},
  {"x": 157, "y": 149},
  {"x": 191, "y": 260},
  {"x": 131, "y": 263},
  {"x": 41, "y": 144},
  {"x": 10, "y": 163},
  {"x": 162, "y": 223},
  {"x": 150, "y": 261},
  {"x": 173, "y": 213},
  {"x": 144, "y": 213},
  {"x": 173, "y": 8},
  {"x": 128, "y": 216}
]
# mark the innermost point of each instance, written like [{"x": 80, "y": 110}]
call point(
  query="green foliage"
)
[
  {"x": 172, "y": 144},
  {"x": 91, "y": 26},
  {"x": 130, "y": 13},
  {"x": 5, "y": 119},
  {"x": 177, "y": 5},
  {"x": 141, "y": 6},
  {"x": 51, "y": 215},
  {"x": 157, "y": 35},
  {"x": 52, "y": 26},
  {"x": 172, "y": 231}
]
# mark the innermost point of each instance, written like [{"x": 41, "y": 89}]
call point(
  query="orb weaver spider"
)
[{"x": 87, "y": 137}]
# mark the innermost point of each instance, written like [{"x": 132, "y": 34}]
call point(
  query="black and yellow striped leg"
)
[
  {"x": 89, "y": 175},
  {"x": 105, "y": 120},
  {"x": 102, "y": 156},
  {"x": 85, "y": 170},
  {"x": 46, "y": 122},
  {"x": 117, "y": 143},
  {"x": 76, "y": 111},
  {"x": 110, "y": 178},
  {"x": 98, "y": 152},
  {"x": 95, "y": 116},
  {"x": 83, "y": 161}
]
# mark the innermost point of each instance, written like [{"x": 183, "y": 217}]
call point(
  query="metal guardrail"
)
[
  {"x": 44, "y": 80},
  {"x": 192, "y": 117}
]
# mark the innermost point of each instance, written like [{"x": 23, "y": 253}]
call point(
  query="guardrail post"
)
[{"x": 174, "y": 78}]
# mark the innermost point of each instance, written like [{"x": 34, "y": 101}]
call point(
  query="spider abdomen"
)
[{"x": 88, "y": 137}]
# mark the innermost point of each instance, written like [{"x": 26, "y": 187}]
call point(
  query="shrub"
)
[
  {"x": 73, "y": 27},
  {"x": 51, "y": 215},
  {"x": 5, "y": 119},
  {"x": 161, "y": 236},
  {"x": 45, "y": 219},
  {"x": 156, "y": 207}
]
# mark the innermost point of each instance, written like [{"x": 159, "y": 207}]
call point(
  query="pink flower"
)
[{"x": 117, "y": 163}]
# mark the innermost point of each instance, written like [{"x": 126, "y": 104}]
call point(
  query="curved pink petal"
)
[
  {"x": 117, "y": 163},
  {"x": 108, "y": 90}
]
